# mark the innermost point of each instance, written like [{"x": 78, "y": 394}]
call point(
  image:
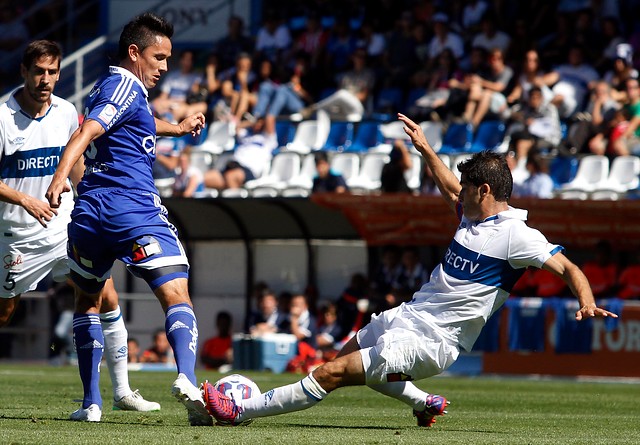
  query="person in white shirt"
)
[{"x": 491, "y": 249}]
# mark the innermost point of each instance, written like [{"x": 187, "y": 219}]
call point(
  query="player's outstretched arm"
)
[
  {"x": 579, "y": 285},
  {"x": 80, "y": 140},
  {"x": 191, "y": 124},
  {"x": 444, "y": 178}
]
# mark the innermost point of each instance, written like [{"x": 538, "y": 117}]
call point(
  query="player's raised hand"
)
[
  {"x": 40, "y": 210},
  {"x": 414, "y": 131},
  {"x": 192, "y": 124},
  {"x": 55, "y": 191},
  {"x": 591, "y": 310}
]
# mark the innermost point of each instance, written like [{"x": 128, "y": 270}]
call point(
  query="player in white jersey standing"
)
[
  {"x": 491, "y": 249},
  {"x": 35, "y": 125}
]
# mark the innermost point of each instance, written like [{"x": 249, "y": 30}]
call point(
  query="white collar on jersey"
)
[
  {"x": 511, "y": 213},
  {"x": 126, "y": 73}
]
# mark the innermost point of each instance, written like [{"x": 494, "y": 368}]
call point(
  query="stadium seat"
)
[
  {"x": 368, "y": 178},
  {"x": 457, "y": 138},
  {"x": 489, "y": 136},
  {"x": 593, "y": 172},
  {"x": 368, "y": 135},
  {"x": 604, "y": 195},
  {"x": 285, "y": 130},
  {"x": 413, "y": 176},
  {"x": 235, "y": 193},
  {"x": 222, "y": 160},
  {"x": 347, "y": 164},
  {"x": 433, "y": 132},
  {"x": 623, "y": 175},
  {"x": 455, "y": 160},
  {"x": 574, "y": 194},
  {"x": 295, "y": 192},
  {"x": 446, "y": 159},
  {"x": 284, "y": 166},
  {"x": 310, "y": 134},
  {"x": 340, "y": 136},
  {"x": 264, "y": 192},
  {"x": 563, "y": 169},
  {"x": 304, "y": 179},
  {"x": 202, "y": 160},
  {"x": 220, "y": 138},
  {"x": 413, "y": 95},
  {"x": 165, "y": 186}
]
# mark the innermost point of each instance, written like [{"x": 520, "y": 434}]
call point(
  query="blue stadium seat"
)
[
  {"x": 340, "y": 136},
  {"x": 563, "y": 169},
  {"x": 389, "y": 100},
  {"x": 413, "y": 95},
  {"x": 489, "y": 136},
  {"x": 285, "y": 130},
  {"x": 367, "y": 136},
  {"x": 457, "y": 138}
]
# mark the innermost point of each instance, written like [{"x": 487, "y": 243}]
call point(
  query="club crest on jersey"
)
[
  {"x": 107, "y": 114},
  {"x": 17, "y": 141},
  {"x": 145, "y": 247}
]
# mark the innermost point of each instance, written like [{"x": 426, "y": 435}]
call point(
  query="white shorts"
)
[
  {"x": 25, "y": 262},
  {"x": 395, "y": 346}
]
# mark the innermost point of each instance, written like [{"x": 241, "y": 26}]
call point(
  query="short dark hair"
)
[
  {"x": 142, "y": 31},
  {"x": 488, "y": 167},
  {"x": 320, "y": 156},
  {"x": 39, "y": 48}
]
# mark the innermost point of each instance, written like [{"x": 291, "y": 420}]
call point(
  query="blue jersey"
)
[{"x": 124, "y": 155}]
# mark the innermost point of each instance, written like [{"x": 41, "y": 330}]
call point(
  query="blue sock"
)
[
  {"x": 182, "y": 333},
  {"x": 89, "y": 343}
]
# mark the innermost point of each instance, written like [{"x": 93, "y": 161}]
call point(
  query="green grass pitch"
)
[{"x": 35, "y": 402}]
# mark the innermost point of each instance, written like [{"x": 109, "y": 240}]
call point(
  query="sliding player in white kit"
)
[
  {"x": 491, "y": 249},
  {"x": 35, "y": 126}
]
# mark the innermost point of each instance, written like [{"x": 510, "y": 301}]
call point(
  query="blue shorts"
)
[{"x": 127, "y": 225}]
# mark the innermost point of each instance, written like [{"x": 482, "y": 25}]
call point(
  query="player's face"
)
[
  {"x": 151, "y": 63},
  {"x": 470, "y": 199},
  {"x": 40, "y": 78}
]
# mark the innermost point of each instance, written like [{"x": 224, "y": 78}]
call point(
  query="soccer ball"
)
[{"x": 238, "y": 387}]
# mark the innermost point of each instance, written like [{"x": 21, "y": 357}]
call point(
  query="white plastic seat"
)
[
  {"x": 264, "y": 192},
  {"x": 284, "y": 166},
  {"x": 304, "y": 179},
  {"x": 593, "y": 172},
  {"x": 235, "y": 193},
  {"x": 368, "y": 177},
  {"x": 165, "y": 186},
  {"x": 311, "y": 135},
  {"x": 222, "y": 160},
  {"x": 446, "y": 159},
  {"x": 220, "y": 138},
  {"x": 604, "y": 195},
  {"x": 433, "y": 132},
  {"x": 623, "y": 175},
  {"x": 574, "y": 194},
  {"x": 295, "y": 192},
  {"x": 413, "y": 175},
  {"x": 202, "y": 160},
  {"x": 347, "y": 164}
]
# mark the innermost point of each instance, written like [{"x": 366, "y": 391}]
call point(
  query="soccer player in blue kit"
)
[
  {"x": 118, "y": 213},
  {"x": 490, "y": 250}
]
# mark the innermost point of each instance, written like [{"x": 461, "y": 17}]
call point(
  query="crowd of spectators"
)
[{"x": 536, "y": 66}]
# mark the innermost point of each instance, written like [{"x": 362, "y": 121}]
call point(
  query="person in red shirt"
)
[
  {"x": 217, "y": 351},
  {"x": 602, "y": 271}
]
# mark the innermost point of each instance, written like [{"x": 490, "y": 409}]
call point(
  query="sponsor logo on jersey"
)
[
  {"x": 30, "y": 163},
  {"x": 107, "y": 114},
  {"x": 17, "y": 141},
  {"x": 268, "y": 396},
  {"x": 125, "y": 106},
  {"x": 13, "y": 262},
  {"x": 177, "y": 325}
]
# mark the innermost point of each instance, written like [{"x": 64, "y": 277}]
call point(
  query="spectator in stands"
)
[
  {"x": 530, "y": 76},
  {"x": 302, "y": 323},
  {"x": 539, "y": 184},
  {"x": 349, "y": 102},
  {"x": 217, "y": 351},
  {"x": 472, "y": 14},
  {"x": 392, "y": 177},
  {"x": 267, "y": 319},
  {"x": 373, "y": 41},
  {"x": 273, "y": 40},
  {"x": 628, "y": 138},
  {"x": 589, "y": 133},
  {"x": 13, "y": 33},
  {"x": 133, "y": 350},
  {"x": 629, "y": 281},
  {"x": 327, "y": 180},
  {"x": 540, "y": 126},
  {"x": 386, "y": 273},
  {"x": 399, "y": 55},
  {"x": 521, "y": 42},
  {"x": 352, "y": 306},
  {"x": 444, "y": 38},
  {"x": 573, "y": 79},
  {"x": 171, "y": 104},
  {"x": 251, "y": 157},
  {"x": 238, "y": 88},
  {"x": 160, "y": 350},
  {"x": 329, "y": 332},
  {"x": 547, "y": 285},
  {"x": 340, "y": 46},
  {"x": 612, "y": 40},
  {"x": 189, "y": 181},
  {"x": 487, "y": 92},
  {"x": 312, "y": 41},
  {"x": 437, "y": 84},
  {"x": 602, "y": 271},
  {"x": 621, "y": 70},
  {"x": 229, "y": 47},
  {"x": 490, "y": 36},
  {"x": 411, "y": 278},
  {"x": 168, "y": 152}
]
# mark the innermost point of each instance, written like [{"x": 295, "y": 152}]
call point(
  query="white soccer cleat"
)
[
  {"x": 135, "y": 402},
  {"x": 91, "y": 414},
  {"x": 191, "y": 398}
]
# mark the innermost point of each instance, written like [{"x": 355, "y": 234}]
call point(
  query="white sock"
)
[
  {"x": 115, "y": 351},
  {"x": 285, "y": 399},
  {"x": 406, "y": 392}
]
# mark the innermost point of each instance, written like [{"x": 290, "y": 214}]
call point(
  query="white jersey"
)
[
  {"x": 30, "y": 150},
  {"x": 480, "y": 267}
]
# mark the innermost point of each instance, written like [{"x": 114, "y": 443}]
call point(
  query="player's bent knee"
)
[{"x": 91, "y": 286}]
